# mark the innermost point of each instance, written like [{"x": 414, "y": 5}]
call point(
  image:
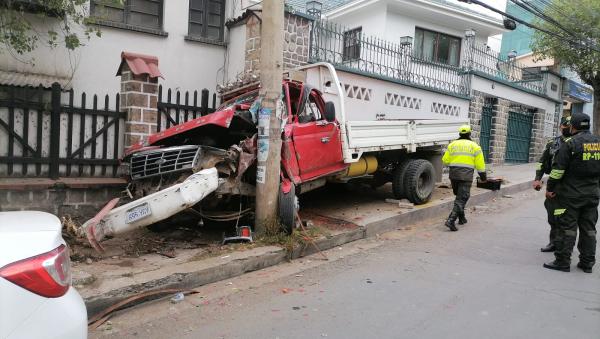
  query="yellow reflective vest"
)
[{"x": 464, "y": 153}]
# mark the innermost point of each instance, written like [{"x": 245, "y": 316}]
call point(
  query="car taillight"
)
[{"x": 48, "y": 274}]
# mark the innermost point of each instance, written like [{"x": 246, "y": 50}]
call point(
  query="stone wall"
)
[
  {"x": 79, "y": 203},
  {"x": 296, "y": 42},
  {"x": 537, "y": 136},
  {"x": 499, "y": 131},
  {"x": 475, "y": 109}
]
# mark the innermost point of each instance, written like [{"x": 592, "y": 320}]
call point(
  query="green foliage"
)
[
  {"x": 580, "y": 51},
  {"x": 67, "y": 23}
]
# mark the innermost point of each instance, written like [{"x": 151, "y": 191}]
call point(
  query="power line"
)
[{"x": 482, "y": 4}]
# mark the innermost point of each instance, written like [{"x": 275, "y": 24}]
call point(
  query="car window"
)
[{"x": 311, "y": 111}]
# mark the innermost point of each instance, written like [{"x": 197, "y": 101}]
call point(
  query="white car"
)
[{"x": 36, "y": 297}]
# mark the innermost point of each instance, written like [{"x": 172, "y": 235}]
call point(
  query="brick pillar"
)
[
  {"x": 537, "y": 136},
  {"x": 475, "y": 109},
  {"x": 499, "y": 131},
  {"x": 139, "y": 98}
]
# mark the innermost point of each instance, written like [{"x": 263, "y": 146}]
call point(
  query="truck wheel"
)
[
  {"x": 398, "y": 180},
  {"x": 287, "y": 209},
  {"x": 419, "y": 181}
]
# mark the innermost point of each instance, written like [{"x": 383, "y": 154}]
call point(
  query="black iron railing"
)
[
  {"x": 352, "y": 50},
  {"x": 482, "y": 59}
]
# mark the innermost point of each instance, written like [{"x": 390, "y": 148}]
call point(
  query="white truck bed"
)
[{"x": 378, "y": 115}]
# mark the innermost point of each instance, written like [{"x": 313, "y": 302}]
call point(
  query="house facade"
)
[
  {"x": 439, "y": 48},
  {"x": 188, "y": 38}
]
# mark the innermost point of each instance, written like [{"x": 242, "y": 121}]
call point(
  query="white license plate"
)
[{"x": 137, "y": 213}]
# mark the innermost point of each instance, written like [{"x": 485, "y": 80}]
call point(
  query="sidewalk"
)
[{"x": 340, "y": 214}]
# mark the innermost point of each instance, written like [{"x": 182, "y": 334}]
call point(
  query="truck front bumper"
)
[{"x": 152, "y": 208}]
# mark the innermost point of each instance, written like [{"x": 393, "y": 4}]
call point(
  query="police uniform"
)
[
  {"x": 575, "y": 179},
  {"x": 544, "y": 166},
  {"x": 463, "y": 156}
]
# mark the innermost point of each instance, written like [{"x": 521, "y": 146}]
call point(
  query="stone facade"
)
[
  {"x": 296, "y": 42},
  {"x": 79, "y": 203},
  {"x": 475, "y": 109},
  {"x": 537, "y": 136},
  {"x": 499, "y": 131},
  {"x": 139, "y": 98}
]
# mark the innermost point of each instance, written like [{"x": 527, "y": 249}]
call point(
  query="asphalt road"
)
[{"x": 485, "y": 281}]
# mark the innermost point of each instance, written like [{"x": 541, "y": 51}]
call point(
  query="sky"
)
[{"x": 495, "y": 41}]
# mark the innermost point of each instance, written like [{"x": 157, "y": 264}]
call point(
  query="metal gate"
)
[
  {"x": 518, "y": 138},
  {"x": 486, "y": 128}
]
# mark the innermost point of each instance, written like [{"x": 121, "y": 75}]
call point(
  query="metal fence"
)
[
  {"x": 483, "y": 59},
  {"x": 176, "y": 112},
  {"x": 43, "y": 133},
  {"x": 354, "y": 51}
]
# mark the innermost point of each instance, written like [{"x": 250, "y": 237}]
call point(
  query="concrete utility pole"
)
[{"x": 269, "y": 124}]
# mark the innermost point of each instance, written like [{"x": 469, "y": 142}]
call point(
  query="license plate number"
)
[{"x": 137, "y": 213}]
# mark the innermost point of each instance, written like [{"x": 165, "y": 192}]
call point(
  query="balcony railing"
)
[
  {"x": 353, "y": 51},
  {"x": 481, "y": 58}
]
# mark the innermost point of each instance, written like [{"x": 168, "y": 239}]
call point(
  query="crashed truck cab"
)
[
  {"x": 174, "y": 170},
  {"x": 205, "y": 169}
]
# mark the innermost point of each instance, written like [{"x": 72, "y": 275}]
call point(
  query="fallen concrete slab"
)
[{"x": 120, "y": 281}]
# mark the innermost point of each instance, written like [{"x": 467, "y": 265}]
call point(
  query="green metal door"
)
[
  {"x": 486, "y": 128},
  {"x": 518, "y": 137}
]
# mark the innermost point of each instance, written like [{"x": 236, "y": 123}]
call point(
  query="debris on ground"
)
[
  {"x": 404, "y": 203},
  {"x": 177, "y": 298}
]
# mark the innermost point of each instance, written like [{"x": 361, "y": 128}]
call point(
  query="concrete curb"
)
[{"x": 238, "y": 267}]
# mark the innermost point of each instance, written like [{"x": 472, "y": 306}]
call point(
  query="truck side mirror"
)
[{"x": 329, "y": 111}]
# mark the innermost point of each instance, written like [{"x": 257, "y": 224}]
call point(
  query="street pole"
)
[{"x": 269, "y": 123}]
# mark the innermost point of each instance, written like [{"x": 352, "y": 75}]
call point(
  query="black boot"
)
[
  {"x": 584, "y": 267},
  {"x": 450, "y": 223},
  {"x": 554, "y": 265},
  {"x": 462, "y": 219},
  {"x": 549, "y": 248}
]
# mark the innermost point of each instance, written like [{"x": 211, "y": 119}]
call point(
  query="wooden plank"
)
[
  {"x": 70, "y": 131},
  {"x": 94, "y": 125},
  {"x": 105, "y": 135},
  {"x": 11, "y": 127},
  {"x": 81, "y": 131},
  {"x": 116, "y": 145},
  {"x": 40, "y": 121}
]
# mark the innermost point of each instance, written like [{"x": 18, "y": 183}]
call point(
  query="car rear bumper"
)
[{"x": 64, "y": 318}]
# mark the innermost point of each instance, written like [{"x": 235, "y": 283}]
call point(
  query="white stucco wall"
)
[
  {"x": 186, "y": 65},
  {"x": 236, "y": 53},
  {"x": 371, "y": 18}
]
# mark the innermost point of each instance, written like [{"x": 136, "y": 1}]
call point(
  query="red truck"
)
[{"x": 206, "y": 167}]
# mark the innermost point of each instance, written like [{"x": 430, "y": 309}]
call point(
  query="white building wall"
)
[
  {"x": 186, "y": 65},
  {"x": 236, "y": 53}
]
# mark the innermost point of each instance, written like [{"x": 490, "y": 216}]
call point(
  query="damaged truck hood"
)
[{"x": 175, "y": 135}]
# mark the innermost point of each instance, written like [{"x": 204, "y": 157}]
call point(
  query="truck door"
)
[{"x": 316, "y": 140}]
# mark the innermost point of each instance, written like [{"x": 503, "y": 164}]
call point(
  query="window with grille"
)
[
  {"x": 437, "y": 47},
  {"x": 138, "y": 13},
  {"x": 207, "y": 19},
  {"x": 352, "y": 44}
]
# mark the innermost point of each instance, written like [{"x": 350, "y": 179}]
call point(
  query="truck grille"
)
[{"x": 163, "y": 161}]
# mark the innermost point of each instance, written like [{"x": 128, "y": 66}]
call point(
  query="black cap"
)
[
  {"x": 580, "y": 121},
  {"x": 565, "y": 121}
]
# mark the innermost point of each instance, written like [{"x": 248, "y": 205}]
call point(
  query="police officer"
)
[
  {"x": 574, "y": 185},
  {"x": 464, "y": 156},
  {"x": 544, "y": 166}
]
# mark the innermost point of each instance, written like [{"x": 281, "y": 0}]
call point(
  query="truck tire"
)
[
  {"x": 287, "y": 209},
  {"x": 398, "y": 179},
  {"x": 419, "y": 181}
]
